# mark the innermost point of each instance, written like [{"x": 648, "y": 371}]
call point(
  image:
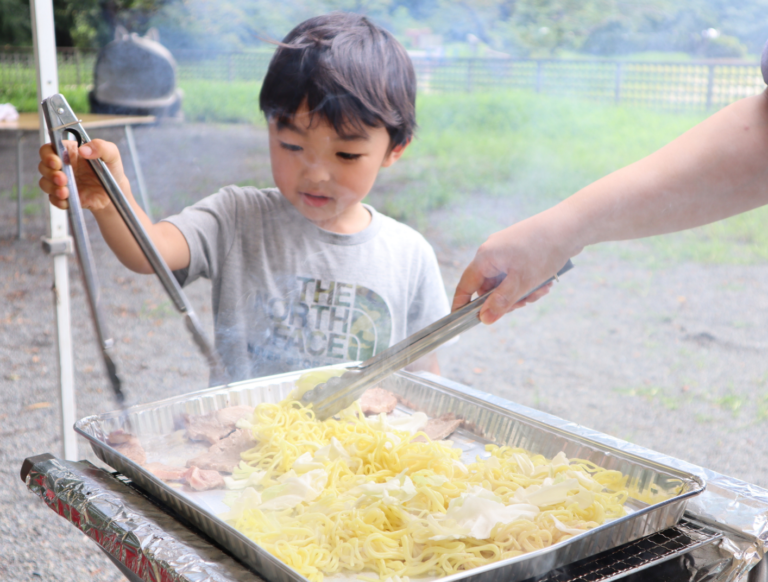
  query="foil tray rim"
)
[{"x": 695, "y": 484}]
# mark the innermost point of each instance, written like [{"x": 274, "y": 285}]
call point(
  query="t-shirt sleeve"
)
[
  {"x": 430, "y": 301},
  {"x": 209, "y": 227}
]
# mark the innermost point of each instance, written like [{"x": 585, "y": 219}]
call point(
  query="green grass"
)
[
  {"x": 742, "y": 239},
  {"x": 24, "y": 98},
  {"x": 538, "y": 149},
  {"x": 236, "y": 102}
]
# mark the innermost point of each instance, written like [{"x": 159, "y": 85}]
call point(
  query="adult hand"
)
[
  {"x": 513, "y": 261},
  {"x": 92, "y": 195}
]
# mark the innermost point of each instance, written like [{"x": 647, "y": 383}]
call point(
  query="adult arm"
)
[
  {"x": 715, "y": 170},
  {"x": 166, "y": 237}
]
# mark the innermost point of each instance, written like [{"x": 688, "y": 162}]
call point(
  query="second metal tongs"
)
[
  {"x": 337, "y": 393},
  {"x": 60, "y": 120}
]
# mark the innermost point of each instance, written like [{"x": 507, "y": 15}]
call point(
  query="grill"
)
[
  {"x": 135, "y": 75},
  {"x": 638, "y": 555},
  {"x": 158, "y": 533}
]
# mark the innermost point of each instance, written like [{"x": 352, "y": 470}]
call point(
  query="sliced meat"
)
[
  {"x": 229, "y": 416},
  {"x": 224, "y": 455},
  {"x": 206, "y": 427},
  {"x": 377, "y": 400},
  {"x": 439, "y": 428},
  {"x": 165, "y": 472},
  {"x": 202, "y": 480},
  {"x": 216, "y": 425},
  {"x": 127, "y": 445}
]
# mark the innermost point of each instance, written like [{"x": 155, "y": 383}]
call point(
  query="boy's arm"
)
[
  {"x": 168, "y": 239},
  {"x": 716, "y": 170}
]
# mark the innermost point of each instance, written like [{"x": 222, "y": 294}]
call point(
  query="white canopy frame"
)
[{"x": 58, "y": 240}]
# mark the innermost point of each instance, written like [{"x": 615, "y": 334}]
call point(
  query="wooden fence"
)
[{"x": 691, "y": 85}]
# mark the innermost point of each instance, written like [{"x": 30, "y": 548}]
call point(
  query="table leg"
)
[
  {"x": 19, "y": 188},
  {"x": 137, "y": 170}
]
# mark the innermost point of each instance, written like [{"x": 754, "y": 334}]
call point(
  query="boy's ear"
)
[{"x": 394, "y": 154}]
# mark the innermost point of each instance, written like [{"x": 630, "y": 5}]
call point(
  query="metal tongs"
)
[
  {"x": 337, "y": 393},
  {"x": 60, "y": 119}
]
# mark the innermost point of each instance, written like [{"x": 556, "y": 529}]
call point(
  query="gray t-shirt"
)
[{"x": 288, "y": 295}]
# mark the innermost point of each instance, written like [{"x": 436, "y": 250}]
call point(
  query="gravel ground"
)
[{"x": 672, "y": 359}]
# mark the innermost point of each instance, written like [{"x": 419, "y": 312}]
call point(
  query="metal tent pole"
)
[{"x": 58, "y": 243}]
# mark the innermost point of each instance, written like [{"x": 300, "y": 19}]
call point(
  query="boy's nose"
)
[{"x": 316, "y": 172}]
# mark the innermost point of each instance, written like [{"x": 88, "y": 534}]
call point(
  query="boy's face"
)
[{"x": 324, "y": 175}]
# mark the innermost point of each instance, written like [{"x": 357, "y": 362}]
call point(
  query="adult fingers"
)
[
  {"x": 490, "y": 283},
  {"x": 533, "y": 297},
  {"x": 471, "y": 280},
  {"x": 501, "y": 301}
]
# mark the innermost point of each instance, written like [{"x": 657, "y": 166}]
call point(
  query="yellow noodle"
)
[{"x": 344, "y": 531}]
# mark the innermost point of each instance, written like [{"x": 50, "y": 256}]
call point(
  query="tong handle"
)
[
  {"x": 422, "y": 342},
  {"x": 339, "y": 392},
  {"x": 139, "y": 234},
  {"x": 156, "y": 261},
  {"x": 85, "y": 255},
  {"x": 60, "y": 119}
]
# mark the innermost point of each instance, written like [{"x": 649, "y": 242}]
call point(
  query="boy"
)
[{"x": 302, "y": 275}]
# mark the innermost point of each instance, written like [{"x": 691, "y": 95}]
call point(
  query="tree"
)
[
  {"x": 81, "y": 23},
  {"x": 15, "y": 24},
  {"x": 93, "y": 22},
  {"x": 517, "y": 27}
]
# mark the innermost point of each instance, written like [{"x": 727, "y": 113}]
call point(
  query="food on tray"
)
[
  {"x": 127, "y": 445},
  {"x": 216, "y": 425},
  {"x": 373, "y": 401},
  {"x": 441, "y": 428},
  {"x": 366, "y": 495},
  {"x": 378, "y": 400},
  {"x": 166, "y": 472},
  {"x": 225, "y": 454},
  {"x": 202, "y": 479}
]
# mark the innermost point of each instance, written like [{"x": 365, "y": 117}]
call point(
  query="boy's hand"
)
[{"x": 92, "y": 194}]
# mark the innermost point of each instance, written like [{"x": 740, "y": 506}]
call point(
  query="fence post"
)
[
  {"x": 710, "y": 85},
  {"x": 77, "y": 66},
  {"x": 470, "y": 64},
  {"x": 539, "y": 75},
  {"x": 617, "y": 84},
  {"x": 231, "y": 68}
]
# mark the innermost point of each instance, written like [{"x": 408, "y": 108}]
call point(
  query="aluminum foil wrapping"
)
[
  {"x": 740, "y": 509},
  {"x": 149, "y": 543}
]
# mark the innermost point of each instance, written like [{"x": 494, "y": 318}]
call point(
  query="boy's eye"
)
[
  {"x": 290, "y": 147},
  {"x": 346, "y": 156}
]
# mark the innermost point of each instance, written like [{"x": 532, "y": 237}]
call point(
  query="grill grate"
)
[{"x": 637, "y": 555}]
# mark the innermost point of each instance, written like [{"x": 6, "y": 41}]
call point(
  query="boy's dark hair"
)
[{"x": 350, "y": 71}]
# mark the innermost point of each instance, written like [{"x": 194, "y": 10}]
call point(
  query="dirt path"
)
[{"x": 673, "y": 359}]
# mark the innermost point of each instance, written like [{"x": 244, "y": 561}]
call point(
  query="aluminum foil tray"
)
[{"x": 485, "y": 421}]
